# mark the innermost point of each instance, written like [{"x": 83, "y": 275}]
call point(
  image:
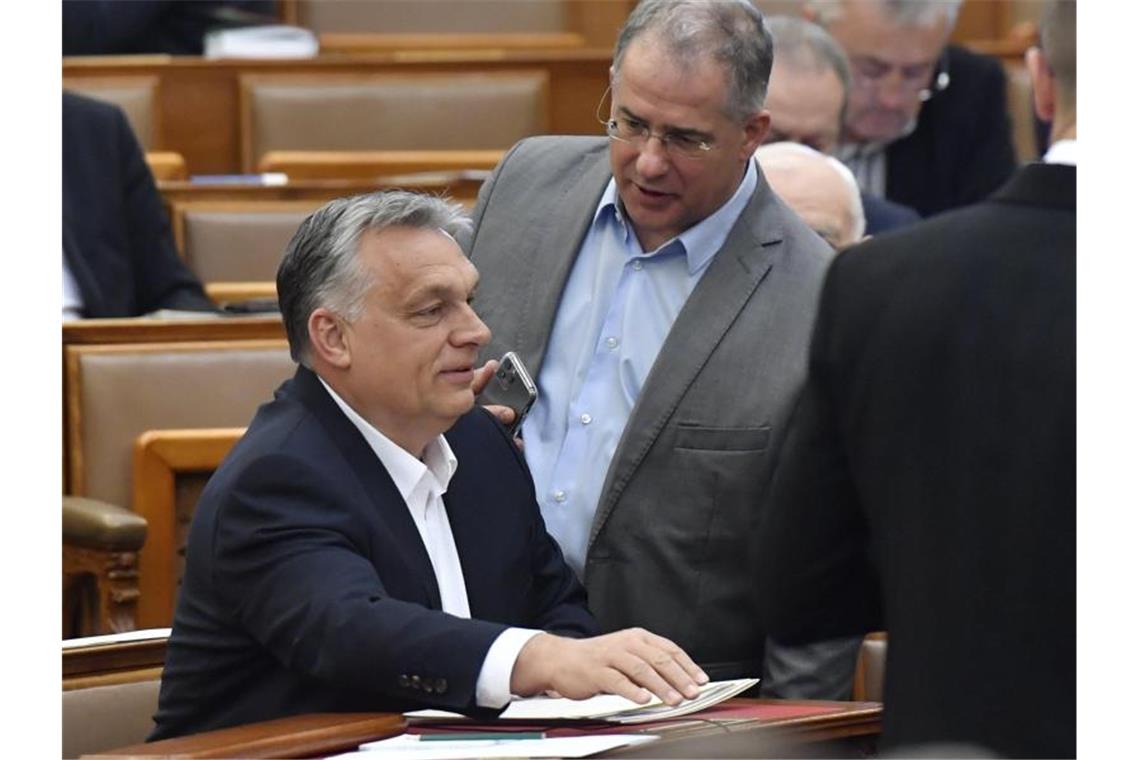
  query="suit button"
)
[
  {"x": 415, "y": 682},
  {"x": 440, "y": 685},
  {"x": 403, "y": 681}
]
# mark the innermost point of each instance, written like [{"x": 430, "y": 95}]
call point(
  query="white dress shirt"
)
[
  {"x": 1061, "y": 152},
  {"x": 72, "y": 298},
  {"x": 422, "y": 485}
]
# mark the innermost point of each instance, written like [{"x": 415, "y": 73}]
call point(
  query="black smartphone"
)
[{"x": 512, "y": 386}]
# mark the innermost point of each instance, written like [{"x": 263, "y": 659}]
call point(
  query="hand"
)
[
  {"x": 632, "y": 663},
  {"x": 483, "y": 375}
]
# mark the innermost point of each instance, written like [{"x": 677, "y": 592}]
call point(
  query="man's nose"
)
[
  {"x": 473, "y": 331},
  {"x": 653, "y": 159}
]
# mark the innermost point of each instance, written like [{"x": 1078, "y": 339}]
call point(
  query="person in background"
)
[
  {"x": 174, "y": 27},
  {"x": 661, "y": 295},
  {"x": 929, "y": 481},
  {"x": 119, "y": 258},
  {"x": 819, "y": 188},
  {"x": 807, "y": 97},
  {"x": 926, "y": 123}
]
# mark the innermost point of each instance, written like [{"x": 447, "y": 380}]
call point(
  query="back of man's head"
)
[
  {"x": 1058, "y": 33},
  {"x": 320, "y": 266},
  {"x": 901, "y": 12},
  {"x": 819, "y": 188},
  {"x": 731, "y": 32}
]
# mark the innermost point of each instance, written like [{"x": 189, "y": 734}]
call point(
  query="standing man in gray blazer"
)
[{"x": 663, "y": 297}]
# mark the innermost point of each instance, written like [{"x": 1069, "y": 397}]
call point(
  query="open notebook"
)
[{"x": 607, "y": 707}]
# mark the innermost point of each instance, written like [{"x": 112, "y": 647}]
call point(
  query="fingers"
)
[
  {"x": 483, "y": 376},
  {"x": 505, "y": 414},
  {"x": 678, "y": 656},
  {"x": 663, "y": 667}
]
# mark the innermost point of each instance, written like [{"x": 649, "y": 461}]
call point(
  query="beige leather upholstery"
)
[
  {"x": 432, "y": 15},
  {"x": 239, "y": 241},
  {"x": 105, "y": 717},
  {"x": 137, "y": 96},
  {"x": 118, "y": 392},
  {"x": 390, "y": 111}
]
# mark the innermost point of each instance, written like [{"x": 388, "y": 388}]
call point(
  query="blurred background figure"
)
[
  {"x": 926, "y": 122},
  {"x": 807, "y": 97},
  {"x": 819, "y": 188},
  {"x": 119, "y": 258},
  {"x": 177, "y": 27}
]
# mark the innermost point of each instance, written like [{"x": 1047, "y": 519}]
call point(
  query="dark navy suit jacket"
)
[
  {"x": 928, "y": 483},
  {"x": 308, "y": 589},
  {"x": 116, "y": 236}
]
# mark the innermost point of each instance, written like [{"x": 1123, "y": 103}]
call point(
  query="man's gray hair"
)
[
  {"x": 731, "y": 32},
  {"x": 320, "y": 267},
  {"x": 804, "y": 46},
  {"x": 902, "y": 12},
  {"x": 793, "y": 154}
]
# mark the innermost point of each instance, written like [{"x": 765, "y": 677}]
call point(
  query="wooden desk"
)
[{"x": 745, "y": 724}]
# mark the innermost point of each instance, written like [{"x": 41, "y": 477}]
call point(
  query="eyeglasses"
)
[{"x": 637, "y": 133}]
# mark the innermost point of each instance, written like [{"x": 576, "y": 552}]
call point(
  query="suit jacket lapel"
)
[
  {"x": 551, "y": 253},
  {"x": 373, "y": 477},
  {"x": 733, "y": 275}
]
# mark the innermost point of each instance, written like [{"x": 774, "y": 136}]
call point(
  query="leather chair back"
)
[
  {"x": 117, "y": 392},
  {"x": 237, "y": 241},
  {"x": 438, "y": 16},
  {"x": 415, "y": 111},
  {"x": 104, "y": 717},
  {"x": 137, "y": 96},
  {"x": 870, "y": 668}
]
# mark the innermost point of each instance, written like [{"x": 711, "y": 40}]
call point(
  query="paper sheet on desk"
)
[
  {"x": 608, "y": 707},
  {"x": 411, "y": 748}
]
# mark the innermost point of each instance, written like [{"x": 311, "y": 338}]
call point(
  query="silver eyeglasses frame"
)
[{"x": 671, "y": 147}]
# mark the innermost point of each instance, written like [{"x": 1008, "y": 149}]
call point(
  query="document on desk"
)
[
  {"x": 412, "y": 747},
  {"x": 608, "y": 707}
]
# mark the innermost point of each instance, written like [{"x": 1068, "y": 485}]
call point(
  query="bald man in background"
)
[{"x": 819, "y": 188}]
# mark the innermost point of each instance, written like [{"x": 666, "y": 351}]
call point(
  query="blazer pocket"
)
[{"x": 705, "y": 438}]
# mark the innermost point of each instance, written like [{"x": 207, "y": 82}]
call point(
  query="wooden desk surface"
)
[{"x": 748, "y": 722}]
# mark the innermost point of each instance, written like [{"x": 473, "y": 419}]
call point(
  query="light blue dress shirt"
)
[{"x": 616, "y": 310}]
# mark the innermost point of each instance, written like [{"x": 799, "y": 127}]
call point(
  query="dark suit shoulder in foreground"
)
[{"x": 929, "y": 474}]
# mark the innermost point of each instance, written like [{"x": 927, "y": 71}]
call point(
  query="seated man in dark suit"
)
[
  {"x": 807, "y": 97},
  {"x": 119, "y": 258},
  {"x": 347, "y": 556},
  {"x": 926, "y": 123}
]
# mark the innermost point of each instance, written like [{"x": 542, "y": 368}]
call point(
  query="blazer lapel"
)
[
  {"x": 551, "y": 253},
  {"x": 373, "y": 477},
  {"x": 734, "y": 274}
]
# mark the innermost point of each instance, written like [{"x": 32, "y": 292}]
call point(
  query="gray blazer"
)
[{"x": 671, "y": 548}]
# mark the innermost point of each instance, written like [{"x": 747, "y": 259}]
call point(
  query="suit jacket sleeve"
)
[
  {"x": 161, "y": 278},
  {"x": 291, "y": 563},
  {"x": 815, "y": 578}
]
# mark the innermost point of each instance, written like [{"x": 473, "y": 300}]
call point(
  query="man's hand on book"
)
[{"x": 632, "y": 663}]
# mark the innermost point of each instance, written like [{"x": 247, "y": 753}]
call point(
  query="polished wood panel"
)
[
  {"x": 199, "y": 99},
  {"x": 313, "y": 735},
  {"x": 367, "y": 43},
  {"x": 111, "y": 662},
  {"x": 368, "y": 164},
  {"x": 167, "y": 165},
  {"x": 149, "y": 330},
  {"x": 463, "y": 186},
  {"x": 159, "y": 457}
]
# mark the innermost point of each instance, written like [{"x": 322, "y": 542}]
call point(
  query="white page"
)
[
  {"x": 607, "y": 706},
  {"x": 406, "y": 747}
]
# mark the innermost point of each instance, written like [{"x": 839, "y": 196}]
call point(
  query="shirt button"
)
[
  {"x": 560, "y": 496},
  {"x": 404, "y": 681},
  {"x": 440, "y": 685},
  {"x": 637, "y": 265},
  {"x": 612, "y": 343},
  {"x": 586, "y": 419}
]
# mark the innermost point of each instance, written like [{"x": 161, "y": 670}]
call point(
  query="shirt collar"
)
[
  {"x": 405, "y": 470},
  {"x": 701, "y": 241},
  {"x": 1061, "y": 152}
]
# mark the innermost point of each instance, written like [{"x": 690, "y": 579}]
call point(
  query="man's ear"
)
[
  {"x": 755, "y": 130},
  {"x": 328, "y": 338},
  {"x": 1041, "y": 77}
]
